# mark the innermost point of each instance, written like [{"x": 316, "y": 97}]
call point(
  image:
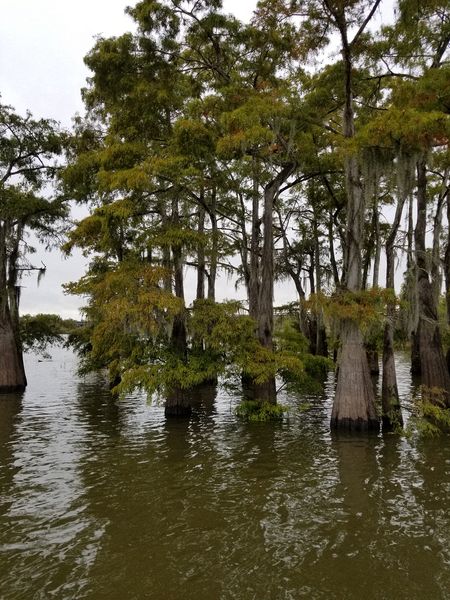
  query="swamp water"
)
[{"x": 105, "y": 499}]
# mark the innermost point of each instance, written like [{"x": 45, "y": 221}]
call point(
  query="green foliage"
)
[
  {"x": 290, "y": 338},
  {"x": 366, "y": 307},
  {"x": 191, "y": 118},
  {"x": 221, "y": 343},
  {"x": 257, "y": 412},
  {"x": 309, "y": 372},
  {"x": 38, "y": 332},
  {"x": 406, "y": 128},
  {"x": 431, "y": 413}
]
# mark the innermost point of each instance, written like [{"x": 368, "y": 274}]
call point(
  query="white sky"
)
[{"x": 42, "y": 45}]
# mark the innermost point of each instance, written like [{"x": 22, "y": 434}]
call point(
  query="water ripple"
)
[{"x": 101, "y": 498}]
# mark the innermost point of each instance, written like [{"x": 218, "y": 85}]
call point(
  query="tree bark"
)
[
  {"x": 377, "y": 255},
  {"x": 413, "y": 310},
  {"x": 333, "y": 262},
  {"x": 12, "y": 373},
  {"x": 201, "y": 256},
  {"x": 447, "y": 273},
  {"x": 435, "y": 375},
  {"x": 390, "y": 402},
  {"x": 212, "y": 213},
  {"x": 351, "y": 409},
  {"x": 253, "y": 287},
  {"x": 436, "y": 274},
  {"x": 177, "y": 400},
  {"x": 321, "y": 334},
  {"x": 266, "y": 392},
  {"x": 354, "y": 402}
]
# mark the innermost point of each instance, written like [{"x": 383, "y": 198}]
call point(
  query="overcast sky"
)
[{"x": 42, "y": 45}]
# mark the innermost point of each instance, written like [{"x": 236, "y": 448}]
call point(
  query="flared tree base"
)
[
  {"x": 435, "y": 376},
  {"x": 12, "y": 373},
  {"x": 12, "y": 389},
  {"x": 354, "y": 425},
  {"x": 259, "y": 392},
  {"x": 178, "y": 404},
  {"x": 354, "y": 402}
]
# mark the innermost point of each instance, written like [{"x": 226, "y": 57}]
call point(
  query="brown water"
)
[{"x": 102, "y": 499}]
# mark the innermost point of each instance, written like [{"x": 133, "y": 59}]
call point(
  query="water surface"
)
[{"x": 105, "y": 499}]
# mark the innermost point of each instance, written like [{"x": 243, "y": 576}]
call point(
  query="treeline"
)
[{"x": 311, "y": 144}]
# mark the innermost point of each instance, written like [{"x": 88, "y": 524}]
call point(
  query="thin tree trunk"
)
[
  {"x": 296, "y": 278},
  {"x": 390, "y": 402},
  {"x": 333, "y": 262},
  {"x": 373, "y": 248},
  {"x": 321, "y": 335},
  {"x": 166, "y": 257},
  {"x": 201, "y": 256},
  {"x": 413, "y": 301},
  {"x": 447, "y": 272},
  {"x": 436, "y": 275},
  {"x": 177, "y": 400},
  {"x": 266, "y": 392},
  {"x": 367, "y": 258},
  {"x": 212, "y": 213},
  {"x": 377, "y": 255},
  {"x": 253, "y": 288}
]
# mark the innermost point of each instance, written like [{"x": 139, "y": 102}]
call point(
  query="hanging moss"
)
[
  {"x": 405, "y": 165},
  {"x": 376, "y": 162}
]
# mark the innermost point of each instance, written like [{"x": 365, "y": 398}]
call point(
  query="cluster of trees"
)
[
  {"x": 295, "y": 146},
  {"x": 28, "y": 154}
]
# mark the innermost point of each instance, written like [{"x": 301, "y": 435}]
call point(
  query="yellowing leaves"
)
[{"x": 407, "y": 128}]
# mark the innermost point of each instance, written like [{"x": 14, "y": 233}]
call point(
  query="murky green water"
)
[{"x": 106, "y": 500}]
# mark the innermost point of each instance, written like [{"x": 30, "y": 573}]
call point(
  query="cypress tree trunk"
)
[
  {"x": 201, "y": 257},
  {"x": 369, "y": 247},
  {"x": 447, "y": 275},
  {"x": 435, "y": 272},
  {"x": 321, "y": 334},
  {"x": 413, "y": 314},
  {"x": 178, "y": 401},
  {"x": 166, "y": 260},
  {"x": 212, "y": 213},
  {"x": 333, "y": 262},
  {"x": 435, "y": 375},
  {"x": 253, "y": 284},
  {"x": 14, "y": 293},
  {"x": 377, "y": 255},
  {"x": 372, "y": 359},
  {"x": 354, "y": 402},
  {"x": 390, "y": 403},
  {"x": 303, "y": 319},
  {"x": 372, "y": 247},
  {"x": 351, "y": 409},
  {"x": 266, "y": 392},
  {"x": 12, "y": 373}
]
